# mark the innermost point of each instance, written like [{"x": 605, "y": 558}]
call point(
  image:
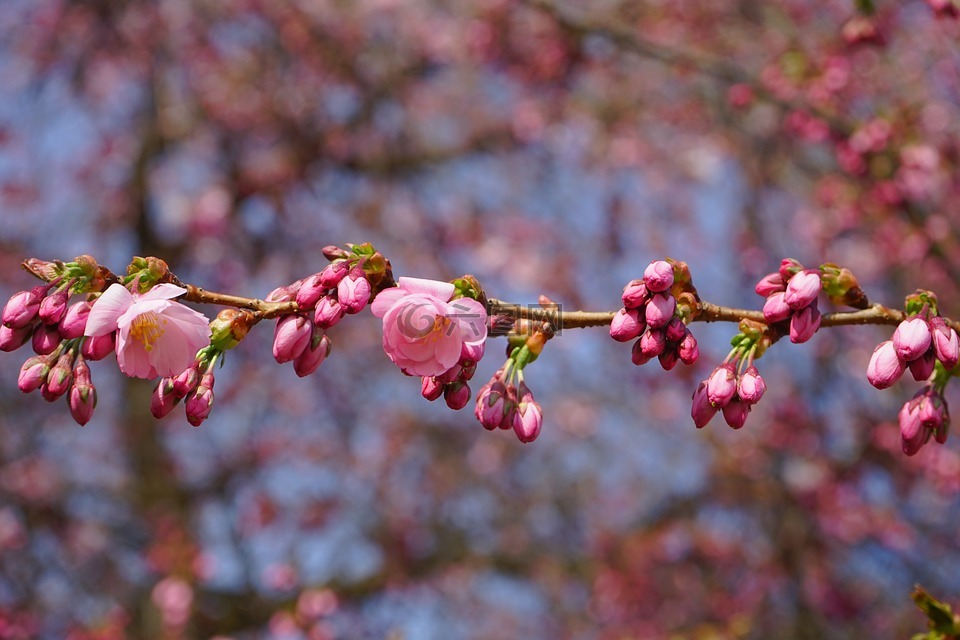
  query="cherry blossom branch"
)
[{"x": 438, "y": 331}]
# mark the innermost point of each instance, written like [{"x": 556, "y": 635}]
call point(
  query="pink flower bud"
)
[
  {"x": 59, "y": 378},
  {"x": 804, "y": 324},
  {"x": 450, "y": 375},
  {"x": 675, "y": 330},
  {"x": 456, "y": 395},
  {"x": 885, "y": 366},
  {"x": 22, "y": 307},
  {"x": 941, "y": 425},
  {"x": 688, "y": 350},
  {"x": 333, "y": 252},
  {"x": 164, "y": 398},
  {"x": 492, "y": 405},
  {"x": 788, "y": 267},
  {"x": 658, "y": 276},
  {"x": 33, "y": 373},
  {"x": 945, "y": 343},
  {"x": 922, "y": 367},
  {"x": 722, "y": 385},
  {"x": 83, "y": 395},
  {"x": 98, "y": 347},
  {"x": 46, "y": 339},
  {"x": 186, "y": 381},
  {"x": 286, "y": 293},
  {"x": 329, "y": 312},
  {"x": 770, "y": 284},
  {"x": 637, "y": 355},
  {"x": 467, "y": 369},
  {"x": 528, "y": 420},
  {"x": 353, "y": 292},
  {"x": 802, "y": 289},
  {"x": 702, "y": 411},
  {"x": 635, "y": 294},
  {"x": 53, "y": 307},
  {"x": 13, "y": 339},
  {"x": 310, "y": 291},
  {"x": 735, "y": 413},
  {"x": 750, "y": 386},
  {"x": 652, "y": 343},
  {"x": 626, "y": 325},
  {"x": 431, "y": 388},
  {"x": 291, "y": 337},
  {"x": 472, "y": 352},
  {"x": 668, "y": 359},
  {"x": 776, "y": 308},
  {"x": 75, "y": 320},
  {"x": 931, "y": 409},
  {"x": 660, "y": 310},
  {"x": 200, "y": 402},
  {"x": 313, "y": 356},
  {"x": 333, "y": 273},
  {"x": 913, "y": 435},
  {"x": 912, "y": 338}
]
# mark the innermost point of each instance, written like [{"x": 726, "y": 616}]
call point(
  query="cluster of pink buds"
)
[
  {"x": 195, "y": 384},
  {"x": 918, "y": 343},
  {"x": 929, "y": 347},
  {"x": 506, "y": 401},
  {"x": 343, "y": 287},
  {"x": 61, "y": 372},
  {"x": 923, "y": 416},
  {"x": 734, "y": 386},
  {"x": 651, "y": 315},
  {"x": 791, "y": 295},
  {"x": 452, "y": 384},
  {"x": 55, "y": 329}
]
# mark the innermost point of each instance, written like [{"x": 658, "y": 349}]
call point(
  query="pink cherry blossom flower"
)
[
  {"x": 423, "y": 330},
  {"x": 155, "y": 334}
]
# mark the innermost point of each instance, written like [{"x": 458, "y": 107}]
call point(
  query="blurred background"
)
[{"x": 546, "y": 148}]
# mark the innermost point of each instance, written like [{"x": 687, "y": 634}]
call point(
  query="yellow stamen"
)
[{"x": 147, "y": 328}]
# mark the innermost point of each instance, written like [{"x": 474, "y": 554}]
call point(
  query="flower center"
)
[
  {"x": 147, "y": 328},
  {"x": 438, "y": 330}
]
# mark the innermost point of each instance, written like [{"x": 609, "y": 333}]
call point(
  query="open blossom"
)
[
  {"x": 155, "y": 334},
  {"x": 423, "y": 330}
]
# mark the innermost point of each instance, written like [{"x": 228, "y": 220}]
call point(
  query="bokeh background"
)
[{"x": 547, "y": 148}]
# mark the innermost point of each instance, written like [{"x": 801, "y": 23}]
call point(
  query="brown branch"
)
[
  {"x": 261, "y": 308},
  {"x": 876, "y": 314}
]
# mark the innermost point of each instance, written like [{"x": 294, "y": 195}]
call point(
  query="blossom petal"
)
[
  {"x": 107, "y": 310},
  {"x": 471, "y": 317},
  {"x": 386, "y": 299},
  {"x": 434, "y": 288},
  {"x": 165, "y": 291},
  {"x": 132, "y": 358}
]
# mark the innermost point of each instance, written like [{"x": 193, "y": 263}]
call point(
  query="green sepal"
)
[
  {"x": 920, "y": 300},
  {"x": 468, "y": 286}
]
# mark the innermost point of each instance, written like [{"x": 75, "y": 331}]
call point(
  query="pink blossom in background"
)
[
  {"x": 423, "y": 331},
  {"x": 156, "y": 335}
]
